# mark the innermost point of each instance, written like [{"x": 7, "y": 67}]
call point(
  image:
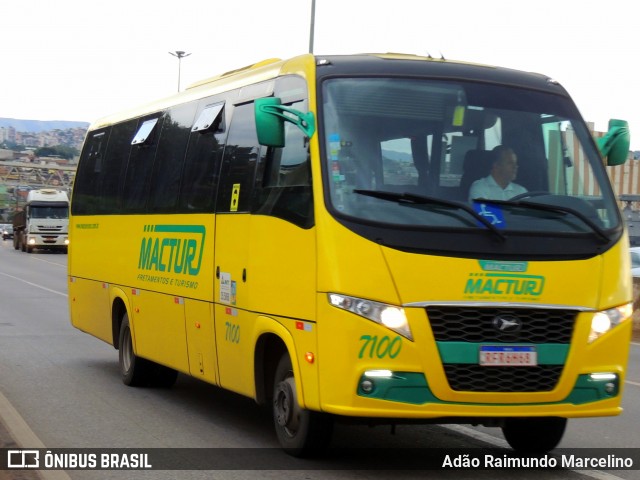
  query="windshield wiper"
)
[
  {"x": 412, "y": 198},
  {"x": 554, "y": 208}
]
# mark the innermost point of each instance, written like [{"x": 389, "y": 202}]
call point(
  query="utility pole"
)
[
  {"x": 179, "y": 54},
  {"x": 312, "y": 27}
]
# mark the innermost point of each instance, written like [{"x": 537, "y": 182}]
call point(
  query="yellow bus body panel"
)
[
  {"x": 415, "y": 281},
  {"x": 90, "y": 307}
]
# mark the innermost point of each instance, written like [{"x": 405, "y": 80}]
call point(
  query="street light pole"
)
[
  {"x": 312, "y": 26},
  {"x": 179, "y": 54}
]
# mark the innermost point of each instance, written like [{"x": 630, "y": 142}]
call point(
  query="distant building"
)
[{"x": 7, "y": 134}]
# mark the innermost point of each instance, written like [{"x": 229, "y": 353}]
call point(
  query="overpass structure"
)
[{"x": 36, "y": 175}]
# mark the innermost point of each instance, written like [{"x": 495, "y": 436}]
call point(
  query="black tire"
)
[
  {"x": 134, "y": 370},
  {"x": 534, "y": 435},
  {"x": 140, "y": 372},
  {"x": 301, "y": 432}
]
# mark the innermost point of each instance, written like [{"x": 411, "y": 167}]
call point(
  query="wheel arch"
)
[
  {"x": 119, "y": 306},
  {"x": 273, "y": 340},
  {"x": 268, "y": 351}
]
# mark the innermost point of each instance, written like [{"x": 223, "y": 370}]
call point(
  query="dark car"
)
[{"x": 7, "y": 231}]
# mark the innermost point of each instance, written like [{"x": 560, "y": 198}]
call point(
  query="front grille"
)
[
  {"x": 49, "y": 228},
  {"x": 471, "y": 324},
  {"x": 478, "y": 325},
  {"x": 474, "y": 378}
]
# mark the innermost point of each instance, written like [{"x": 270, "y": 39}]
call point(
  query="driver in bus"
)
[{"x": 499, "y": 184}]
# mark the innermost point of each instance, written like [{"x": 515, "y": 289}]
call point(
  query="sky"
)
[{"x": 79, "y": 60}]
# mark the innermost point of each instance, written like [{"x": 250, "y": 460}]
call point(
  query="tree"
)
[{"x": 62, "y": 151}]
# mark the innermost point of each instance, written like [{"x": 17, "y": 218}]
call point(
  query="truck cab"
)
[{"x": 44, "y": 222}]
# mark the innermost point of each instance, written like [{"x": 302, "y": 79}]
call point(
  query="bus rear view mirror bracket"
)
[{"x": 270, "y": 117}]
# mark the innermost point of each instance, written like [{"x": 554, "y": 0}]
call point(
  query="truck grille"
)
[
  {"x": 49, "y": 228},
  {"x": 478, "y": 325}
]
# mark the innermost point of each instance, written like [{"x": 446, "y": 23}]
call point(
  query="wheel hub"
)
[{"x": 285, "y": 406}]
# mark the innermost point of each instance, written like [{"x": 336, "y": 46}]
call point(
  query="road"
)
[{"x": 60, "y": 388}]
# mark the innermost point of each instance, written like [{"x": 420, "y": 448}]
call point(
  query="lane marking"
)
[
  {"x": 34, "y": 284},
  {"x": 48, "y": 261}
]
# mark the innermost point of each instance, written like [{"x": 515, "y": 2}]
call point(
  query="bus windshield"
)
[{"x": 429, "y": 154}]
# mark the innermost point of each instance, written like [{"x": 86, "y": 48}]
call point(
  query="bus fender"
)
[
  {"x": 266, "y": 326},
  {"x": 118, "y": 294}
]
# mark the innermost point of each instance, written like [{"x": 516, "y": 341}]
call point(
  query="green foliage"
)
[{"x": 62, "y": 151}]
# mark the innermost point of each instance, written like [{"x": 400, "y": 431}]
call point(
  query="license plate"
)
[{"x": 508, "y": 356}]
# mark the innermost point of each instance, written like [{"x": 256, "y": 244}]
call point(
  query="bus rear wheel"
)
[
  {"x": 140, "y": 372},
  {"x": 534, "y": 435},
  {"x": 301, "y": 432}
]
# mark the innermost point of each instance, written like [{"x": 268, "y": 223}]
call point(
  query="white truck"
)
[{"x": 44, "y": 222}]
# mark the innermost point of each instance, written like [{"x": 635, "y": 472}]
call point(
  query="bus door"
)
[
  {"x": 231, "y": 293},
  {"x": 265, "y": 245},
  {"x": 197, "y": 196}
]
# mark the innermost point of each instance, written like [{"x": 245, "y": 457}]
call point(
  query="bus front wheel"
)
[
  {"x": 301, "y": 432},
  {"x": 139, "y": 372},
  {"x": 534, "y": 435}
]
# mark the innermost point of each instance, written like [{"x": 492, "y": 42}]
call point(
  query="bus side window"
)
[
  {"x": 138, "y": 175},
  {"x": 91, "y": 173},
  {"x": 202, "y": 163},
  {"x": 239, "y": 162},
  {"x": 167, "y": 170},
  {"x": 114, "y": 166},
  {"x": 285, "y": 189}
]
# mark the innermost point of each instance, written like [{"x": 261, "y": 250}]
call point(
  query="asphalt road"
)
[{"x": 60, "y": 388}]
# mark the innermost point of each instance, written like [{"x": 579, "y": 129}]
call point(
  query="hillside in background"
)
[{"x": 37, "y": 126}]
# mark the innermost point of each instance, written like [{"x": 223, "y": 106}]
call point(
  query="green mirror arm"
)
[{"x": 304, "y": 121}]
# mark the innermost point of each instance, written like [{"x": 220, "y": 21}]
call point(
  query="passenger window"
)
[
  {"x": 204, "y": 157},
  {"x": 115, "y": 164},
  {"x": 239, "y": 162},
  {"x": 91, "y": 174},
  {"x": 139, "y": 167},
  {"x": 167, "y": 171}
]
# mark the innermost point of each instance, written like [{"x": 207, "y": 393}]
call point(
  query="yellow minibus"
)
[{"x": 381, "y": 238}]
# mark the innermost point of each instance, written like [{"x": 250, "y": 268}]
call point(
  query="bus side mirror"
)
[
  {"x": 614, "y": 145},
  {"x": 270, "y": 117}
]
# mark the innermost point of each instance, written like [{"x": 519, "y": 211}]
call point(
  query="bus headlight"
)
[
  {"x": 390, "y": 316},
  {"x": 604, "y": 321}
]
